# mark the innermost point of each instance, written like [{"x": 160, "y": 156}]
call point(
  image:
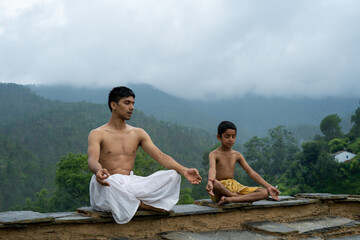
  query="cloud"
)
[{"x": 191, "y": 49}]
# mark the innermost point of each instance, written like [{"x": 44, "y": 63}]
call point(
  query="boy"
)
[{"x": 221, "y": 184}]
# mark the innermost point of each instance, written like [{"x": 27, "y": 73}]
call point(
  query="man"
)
[{"x": 112, "y": 150}]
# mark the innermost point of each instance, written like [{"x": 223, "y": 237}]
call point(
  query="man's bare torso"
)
[
  {"x": 118, "y": 148},
  {"x": 225, "y": 163}
]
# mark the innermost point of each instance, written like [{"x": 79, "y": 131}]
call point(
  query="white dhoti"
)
[{"x": 123, "y": 196}]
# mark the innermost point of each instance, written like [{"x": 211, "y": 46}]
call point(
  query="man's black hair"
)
[
  {"x": 225, "y": 125},
  {"x": 118, "y": 93}
]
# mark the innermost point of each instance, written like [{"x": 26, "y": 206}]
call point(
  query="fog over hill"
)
[{"x": 253, "y": 115}]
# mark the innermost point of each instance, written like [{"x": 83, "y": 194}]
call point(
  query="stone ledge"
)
[
  {"x": 323, "y": 196},
  {"x": 283, "y": 202},
  {"x": 24, "y": 217},
  {"x": 202, "y": 206},
  {"x": 312, "y": 228},
  {"x": 216, "y": 235},
  {"x": 197, "y": 218}
]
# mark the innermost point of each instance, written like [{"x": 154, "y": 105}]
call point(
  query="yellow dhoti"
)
[{"x": 233, "y": 186}]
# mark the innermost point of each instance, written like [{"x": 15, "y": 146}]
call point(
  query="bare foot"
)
[
  {"x": 143, "y": 206},
  {"x": 222, "y": 201}
]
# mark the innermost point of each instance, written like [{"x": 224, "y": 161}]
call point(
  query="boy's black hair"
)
[
  {"x": 118, "y": 93},
  {"x": 225, "y": 125}
]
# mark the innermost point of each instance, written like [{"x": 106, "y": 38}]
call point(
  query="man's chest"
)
[{"x": 119, "y": 145}]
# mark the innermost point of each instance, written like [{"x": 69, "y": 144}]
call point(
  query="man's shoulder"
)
[
  {"x": 135, "y": 129},
  {"x": 99, "y": 129}
]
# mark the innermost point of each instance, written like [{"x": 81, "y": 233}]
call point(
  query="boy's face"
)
[{"x": 228, "y": 138}]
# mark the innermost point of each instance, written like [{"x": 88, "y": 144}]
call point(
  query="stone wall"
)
[{"x": 333, "y": 215}]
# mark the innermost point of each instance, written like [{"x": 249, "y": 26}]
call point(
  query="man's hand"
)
[
  {"x": 210, "y": 187},
  {"x": 193, "y": 176},
  {"x": 274, "y": 192},
  {"x": 101, "y": 175}
]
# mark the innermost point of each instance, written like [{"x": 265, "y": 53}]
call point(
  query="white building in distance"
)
[{"x": 343, "y": 156}]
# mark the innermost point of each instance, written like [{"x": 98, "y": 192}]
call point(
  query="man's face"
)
[{"x": 124, "y": 107}]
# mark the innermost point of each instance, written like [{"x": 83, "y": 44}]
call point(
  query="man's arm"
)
[
  {"x": 212, "y": 173},
  {"x": 101, "y": 173},
  {"x": 192, "y": 175},
  {"x": 274, "y": 192}
]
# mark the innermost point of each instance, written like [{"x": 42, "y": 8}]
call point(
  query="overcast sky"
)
[{"x": 192, "y": 49}]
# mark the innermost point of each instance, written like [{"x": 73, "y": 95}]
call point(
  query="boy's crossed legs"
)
[{"x": 226, "y": 196}]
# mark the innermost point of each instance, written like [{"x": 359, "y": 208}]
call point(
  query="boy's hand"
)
[
  {"x": 274, "y": 192},
  {"x": 210, "y": 187},
  {"x": 101, "y": 175},
  {"x": 193, "y": 176}
]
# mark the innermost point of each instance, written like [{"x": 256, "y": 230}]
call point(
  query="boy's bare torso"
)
[
  {"x": 118, "y": 148},
  {"x": 225, "y": 163}
]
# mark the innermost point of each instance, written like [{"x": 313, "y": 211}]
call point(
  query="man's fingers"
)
[
  {"x": 102, "y": 182},
  {"x": 105, "y": 183}
]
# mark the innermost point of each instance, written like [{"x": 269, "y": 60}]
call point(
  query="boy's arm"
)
[
  {"x": 93, "y": 158},
  {"x": 212, "y": 173},
  {"x": 191, "y": 174},
  {"x": 273, "y": 191}
]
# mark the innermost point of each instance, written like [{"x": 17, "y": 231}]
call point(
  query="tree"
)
[
  {"x": 351, "y": 176},
  {"x": 271, "y": 154},
  {"x": 354, "y": 147},
  {"x": 338, "y": 144},
  {"x": 329, "y": 126},
  {"x": 72, "y": 182},
  {"x": 311, "y": 151},
  {"x": 326, "y": 176},
  {"x": 308, "y": 158},
  {"x": 283, "y": 148},
  {"x": 257, "y": 153},
  {"x": 355, "y": 119},
  {"x": 43, "y": 202},
  {"x": 145, "y": 165},
  {"x": 185, "y": 196}
]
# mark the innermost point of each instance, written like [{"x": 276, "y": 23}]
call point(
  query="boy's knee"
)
[
  {"x": 217, "y": 184},
  {"x": 264, "y": 192}
]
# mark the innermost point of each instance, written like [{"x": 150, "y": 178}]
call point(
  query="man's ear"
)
[{"x": 113, "y": 105}]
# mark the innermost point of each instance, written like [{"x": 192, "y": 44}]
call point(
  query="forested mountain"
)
[
  {"x": 35, "y": 132},
  {"x": 149, "y": 100},
  {"x": 39, "y": 136},
  {"x": 252, "y": 115}
]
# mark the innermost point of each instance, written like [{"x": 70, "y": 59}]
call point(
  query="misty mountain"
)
[{"x": 252, "y": 115}]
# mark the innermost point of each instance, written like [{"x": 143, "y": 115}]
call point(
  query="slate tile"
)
[
  {"x": 192, "y": 209},
  {"x": 322, "y": 196},
  {"x": 216, "y": 235},
  {"x": 321, "y": 224},
  {"x": 271, "y": 227},
  {"x": 23, "y": 217}
]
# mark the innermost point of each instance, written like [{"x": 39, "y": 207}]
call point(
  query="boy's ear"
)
[{"x": 218, "y": 137}]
